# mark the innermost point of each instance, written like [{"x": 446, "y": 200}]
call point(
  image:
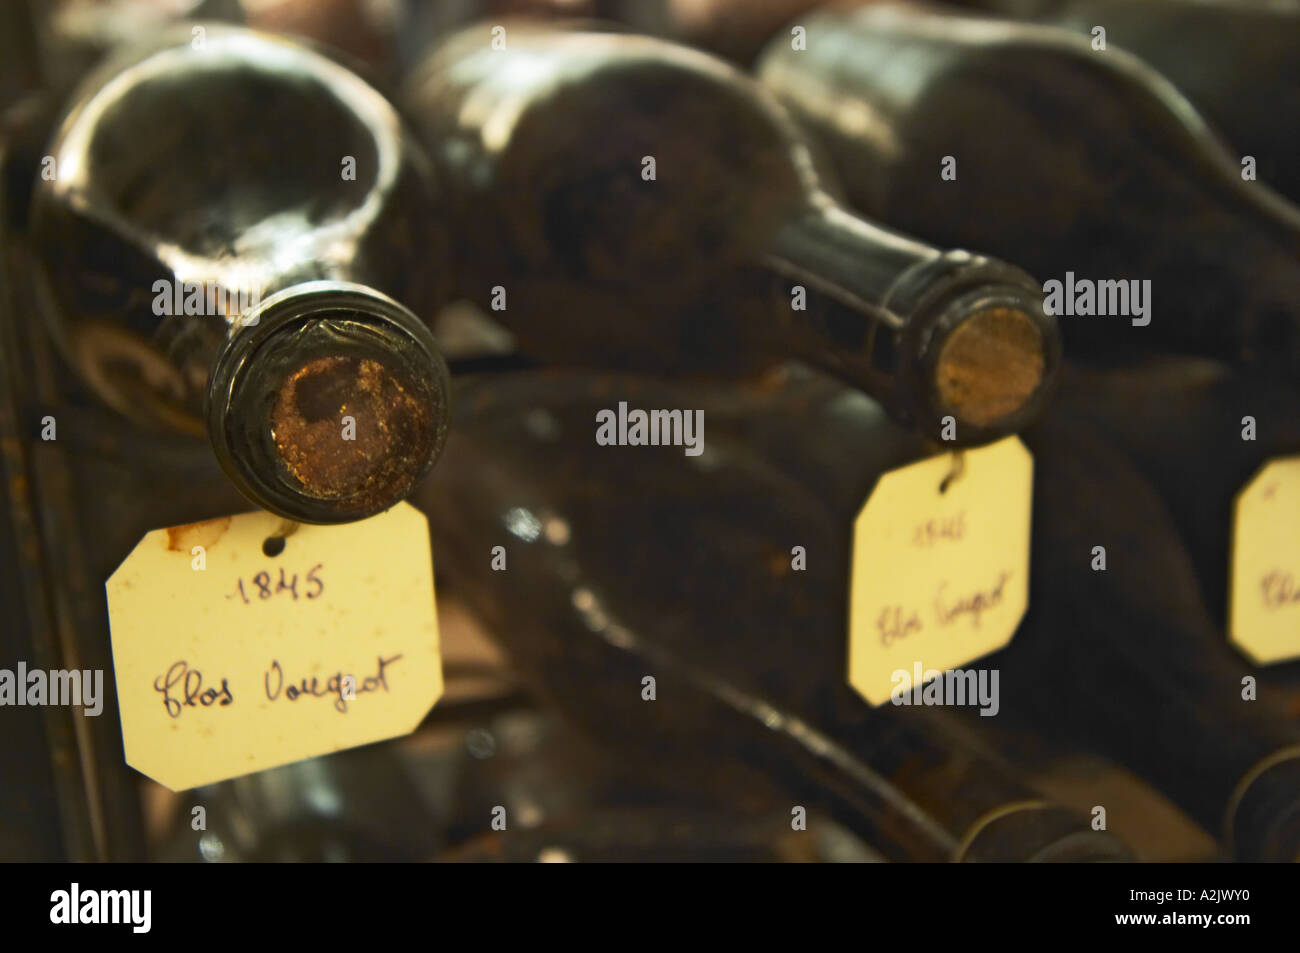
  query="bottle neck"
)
[
  {"x": 329, "y": 403},
  {"x": 1263, "y": 816},
  {"x": 932, "y": 335}
]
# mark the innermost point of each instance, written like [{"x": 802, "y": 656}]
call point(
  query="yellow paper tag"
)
[
  {"x": 940, "y": 566},
  {"x": 230, "y": 660},
  {"x": 1264, "y": 613}
]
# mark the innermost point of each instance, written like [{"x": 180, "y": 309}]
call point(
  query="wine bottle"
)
[
  {"x": 228, "y": 223},
  {"x": 1150, "y": 675},
  {"x": 1123, "y": 658},
  {"x": 630, "y": 203},
  {"x": 628, "y": 562},
  {"x": 1084, "y": 166},
  {"x": 1235, "y": 61},
  {"x": 1163, "y": 413}
]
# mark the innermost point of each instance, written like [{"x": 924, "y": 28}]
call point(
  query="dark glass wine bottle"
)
[
  {"x": 1150, "y": 678},
  {"x": 630, "y": 203},
  {"x": 1072, "y": 162},
  {"x": 228, "y": 223},
  {"x": 628, "y": 562},
  {"x": 1164, "y": 413},
  {"x": 1125, "y": 659},
  {"x": 1238, "y": 62}
]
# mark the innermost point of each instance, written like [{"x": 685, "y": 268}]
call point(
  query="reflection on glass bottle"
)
[
  {"x": 624, "y": 563},
  {"x": 567, "y": 800},
  {"x": 1074, "y": 163},
  {"x": 358, "y": 805},
  {"x": 224, "y": 216},
  {"x": 630, "y": 203}
]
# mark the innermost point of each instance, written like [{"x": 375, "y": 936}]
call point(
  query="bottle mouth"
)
[
  {"x": 1263, "y": 822},
  {"x": 991, "y": 365},
  {"x": 988, "y": 357},
  {"x": 1043, "y": 833},
  {"x": 330, "y": 403}
]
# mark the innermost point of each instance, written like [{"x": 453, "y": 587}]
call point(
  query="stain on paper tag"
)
[
  {"x": 231, "y": 659},
  {"x": 940, "y": 566},
  {"x": 1264, "y": 605}
]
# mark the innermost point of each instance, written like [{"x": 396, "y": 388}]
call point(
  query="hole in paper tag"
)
[
  {"x": 231, "y": 659},
  {"x": 940, "y": 566}
]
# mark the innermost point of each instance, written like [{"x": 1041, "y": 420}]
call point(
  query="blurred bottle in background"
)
[
  {"x": 1183, "y": 421},
  {"x": 1139, "y": 668},
  {"x": 1236, "y": 60},
  {"x": 630, "y": 203},
  {"x": 1073, "y": 163},
  {"x": 75, "y": 35},
  {"x": 1123, "y": 659}
]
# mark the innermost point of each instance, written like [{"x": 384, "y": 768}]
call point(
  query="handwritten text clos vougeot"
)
[
  {"x": 229, "y": 654},
  {"x": 948, "y": 607}
]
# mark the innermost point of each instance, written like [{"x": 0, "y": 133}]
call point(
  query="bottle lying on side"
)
[
  {"x": 628, "y": 203},
  {"x": 238, "y": 236},
  {"x": 1086, "y": 167},
  {"x": 622, "y": 563},
  {"x": 1124, "y": 659},
  {"x": 1237, "y": 62},
  {"x": 1164, "y": 413}
]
